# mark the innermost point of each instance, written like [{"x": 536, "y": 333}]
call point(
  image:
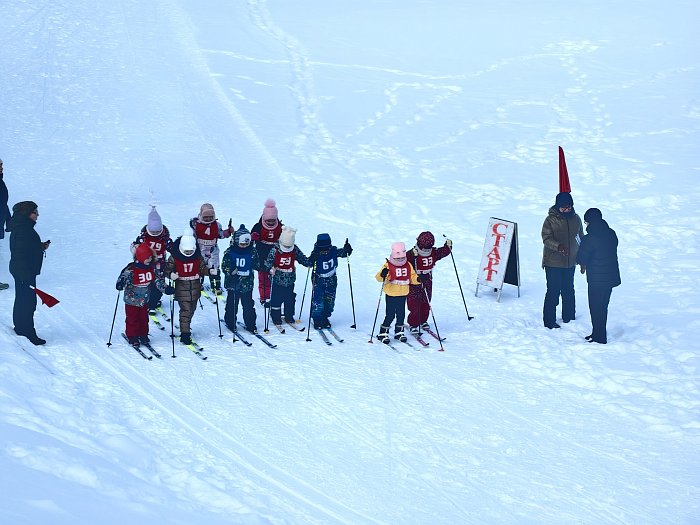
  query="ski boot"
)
[
  {"x": 399, "y": 335},
  {"x": 383, "y": 334}
]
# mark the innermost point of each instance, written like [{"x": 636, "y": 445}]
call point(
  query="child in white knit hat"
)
[{"x": 280, "y": 263}]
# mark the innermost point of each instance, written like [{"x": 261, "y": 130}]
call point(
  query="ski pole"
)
[
  {"x": 172, "y": 322},
  {"x": 109, "y": 343},
  {"x": 458, "y": 281},
  {"x": 269, "y": 306},
  {"x": 352, "y": 298},
  {"x": 301, "y": 308},
  {"x": 311, "y": 303},
  {"x": 430, "y": 307},
  {"x": 218, "y": 318},
  {"x": 235, "y": 312},
  {"x": 374, "y": 325}
]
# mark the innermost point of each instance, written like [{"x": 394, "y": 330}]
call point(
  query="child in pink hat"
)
[{"x": 397, "y": 275}]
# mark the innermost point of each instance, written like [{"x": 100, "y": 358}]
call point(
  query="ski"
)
[
  {"x": 156, "y": 321},
  {"x": 279, "y": 327},
  {"x": 418, "y": 338},
  {"x": 207, "y": 296},
  {"x": 242, "y": 339},
  {"x": 152, "y": 350},
  {"x": 387, "y": 342},
  {"x": 324, "y": 336},
  {"x": 149, "y": 357},
  {"x": 430, "y": 331},
  {"x": 197, "y": 350},
  {"x": 332, "y": 332},
  {"x": 210, "y": 294},
  {"x": 163, "y": 314},
  {"x": 297, "y": 328},
  {"x": 264, "y": 340},
  {"x": 406, "y": 343}
]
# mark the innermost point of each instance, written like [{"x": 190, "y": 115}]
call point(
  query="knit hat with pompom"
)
[
  {"x": 270, "y": 210},
  {"x": 154, "y": 226}
]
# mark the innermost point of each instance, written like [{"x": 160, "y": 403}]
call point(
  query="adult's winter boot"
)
[
  {"x": 36, "y": 340},
  {"x": 383, "y": 334},
  {"x": 186, "y": 338}
]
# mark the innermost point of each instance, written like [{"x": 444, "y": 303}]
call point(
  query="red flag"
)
[
  {"x": 48, "y": 300},
  {"x": 564, "y": 185}
]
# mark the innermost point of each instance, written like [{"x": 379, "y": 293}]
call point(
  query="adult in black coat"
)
[
  {"x": 4, "y": 213},
  {"x": 26, "y": 257},
  {"x": 597, "y": 256}
]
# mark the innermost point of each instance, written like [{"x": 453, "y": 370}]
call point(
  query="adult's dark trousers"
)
[
  {"x": 598, "y": 301},
  {"x": 560, "y": 282},
  {"x": 24, "y": 307},
  {"x": 245, "y": 299},
  {"x": 395, "y": 309}
]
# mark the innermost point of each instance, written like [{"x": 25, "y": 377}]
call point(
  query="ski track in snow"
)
[{"x": 392, "y": 416}]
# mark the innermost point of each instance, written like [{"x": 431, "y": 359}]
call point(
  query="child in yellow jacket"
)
[{"x": 396, "y": 274}]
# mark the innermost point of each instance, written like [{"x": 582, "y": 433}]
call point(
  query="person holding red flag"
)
[{"x": 26, "y": 258}]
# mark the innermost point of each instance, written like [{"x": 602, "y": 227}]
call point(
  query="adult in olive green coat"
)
[{"x": 561, "y": 233}]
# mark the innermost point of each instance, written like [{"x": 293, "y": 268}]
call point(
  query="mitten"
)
[
  {"x": 169, "y": 290},
  {"x": 384, "y": 273},
  {"x": 347, "y": 248},
  {"x": 255, "y": 236},
  {"x": 174, "y": 276},
  {"x": 120, "y": 284},
  {"x": 448, "y": 243}
]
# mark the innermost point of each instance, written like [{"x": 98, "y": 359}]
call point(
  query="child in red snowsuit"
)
[
  {"x": 135, "y": 280},
  {"x": 423, "y": 258}
]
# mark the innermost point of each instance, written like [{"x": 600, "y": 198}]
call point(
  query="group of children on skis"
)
[{"x": 270, "y": 250}]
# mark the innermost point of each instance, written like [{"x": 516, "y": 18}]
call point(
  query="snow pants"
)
[
  {"x": 282, "y": 298},
  {"x": 598, "y": 301},
  {"x": 187, "y": 310},
  {"x": 136, "y": 320},
  {"x": 323, "y": 298},
  {"x": 264, "y": 286},
  {"x": 231, "y": 313},
  {"x": 560, "y": 281},
  {"x": 395, "y": 309},
  {"x": 418, "y": 305}
]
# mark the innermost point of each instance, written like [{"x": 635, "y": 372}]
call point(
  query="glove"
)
[
  {"x": 120, "y": 285},
  {"x": 384, "y": 272},
  {"x": 169, "y": 290},
  {"x": 255, "y": 236},
  {"x": 212, "y": 271},
  {"x": 563, "y": 249},
  {"x": 313, "y": 256},
  {"x": 347, "y": 248},
  {"x": 583, "y": 268},
  {"x": 174, "y": 276},
  {"x": 422, "y": 277},
  {"x": 448, "y": 243}
]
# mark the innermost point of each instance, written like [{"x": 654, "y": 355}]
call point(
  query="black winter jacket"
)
[
  {"x": 4, "y": 209},
  {"x": 26, "y": 248},
  {"x": 598, "y": 253}
]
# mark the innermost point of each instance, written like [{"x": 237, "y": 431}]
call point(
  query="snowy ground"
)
[{"x": 373, "y": 121}]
